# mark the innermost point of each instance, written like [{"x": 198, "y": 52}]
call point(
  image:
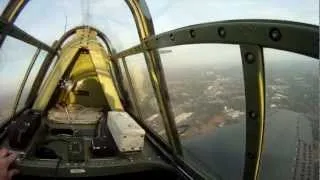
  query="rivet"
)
[
  {"x": 222, "y": 32},
  {"x": 249, "y": 57},
  {"x": 171, "y": 37},
  {"x": 252, "y": 114},
  {"x": 275, "y": 34},
  {"x": 192, "y": 33}
]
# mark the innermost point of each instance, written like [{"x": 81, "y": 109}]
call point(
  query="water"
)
[{"x": 222, "y": 152}]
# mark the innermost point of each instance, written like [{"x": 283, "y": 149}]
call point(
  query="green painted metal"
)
[
  {"x": 254, "y": 82},
  {"x": 294, "y": 37}
]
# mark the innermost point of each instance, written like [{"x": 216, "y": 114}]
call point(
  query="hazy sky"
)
[
  {"x": 3, "y": 4},
  {"x": 48, "y": 20}
]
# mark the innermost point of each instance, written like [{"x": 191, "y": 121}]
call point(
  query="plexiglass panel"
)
[
  {"x": 53, "y": 63},
  {"x": 145, "y": 94},
  {"x": 124, "y": 82},
  {"x": 168, "y": 15},
  {"x": 291, "y": 144},
  {"x": 30, "y": 80},
  {"x": 15, "y": 57},
  {"x": 206, "y": 89},
  {"x": 48, "y": 20},
  {"x": 3, "y": 4},
  {"x": 114, "y": 18}
]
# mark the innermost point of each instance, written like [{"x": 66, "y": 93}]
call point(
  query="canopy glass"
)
[
  {"x": 168, "y": 15},
  {"x": 48, "y": 20}
]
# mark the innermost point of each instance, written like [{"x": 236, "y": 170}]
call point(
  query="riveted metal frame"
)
[
  {"x": 252, "y": 35},
  {"x": 254, "y": 82},
  {"x": 145, "y": 29},
  {"x": 290, "y": 36}
]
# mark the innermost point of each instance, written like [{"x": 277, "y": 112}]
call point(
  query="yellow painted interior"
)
[{"x": 86, "y": 63}]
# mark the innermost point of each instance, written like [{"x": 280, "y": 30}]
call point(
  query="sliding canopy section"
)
[
  {"x": 113, "y": 18},
  {"x": 7, "y": 26},
  {"x": 84, "y": 39}
]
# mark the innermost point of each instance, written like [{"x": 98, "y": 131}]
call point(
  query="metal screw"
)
[
  {"x": 252, "y": 114},
  {"x": 249, "y": 58},
  {"x": 171, "y": 37},
  {"x": 222, "y": 32},
  {"x": 192, "y": 33},
  {"x": 275, "y": 34}
]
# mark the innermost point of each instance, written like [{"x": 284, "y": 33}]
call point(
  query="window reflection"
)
[
  {"x": 30, "y": 80},
  {"x": 145, "y": 94},
  {"x": 15, "y": 57},
  {"x": 292, "y": 119},
  {"x": 206, "y": 89}
]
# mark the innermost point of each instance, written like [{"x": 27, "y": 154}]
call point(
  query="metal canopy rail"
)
[
  {"x": 11, "y": 13},
  {"x": 284, "y": 35},
  {"x": 254, "y": 82},
  {"x": 251, "y": 35}
]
